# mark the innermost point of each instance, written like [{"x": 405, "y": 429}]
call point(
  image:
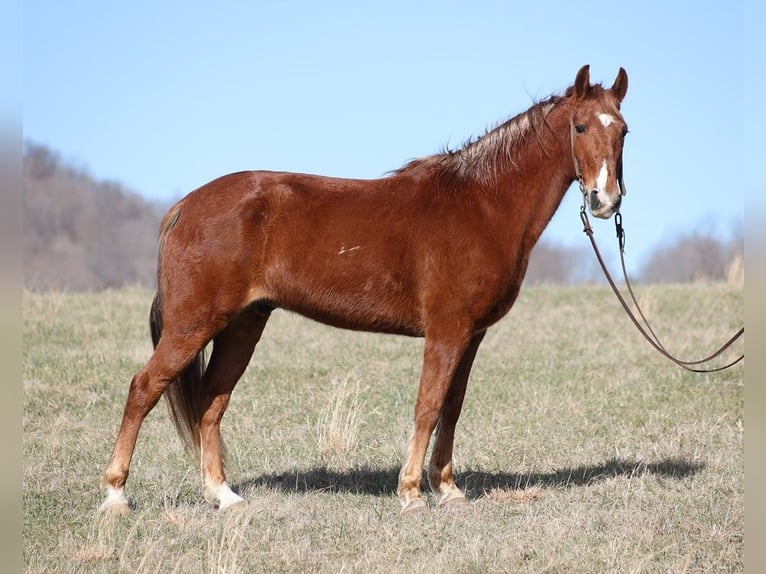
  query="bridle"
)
[
  {"x": 578, "y": 173},
  {"x": 645, "y": 329}
]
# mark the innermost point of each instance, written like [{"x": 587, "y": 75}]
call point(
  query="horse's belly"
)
[
  {"x": 352, "y": 310},
  {"x": 347, "y": 296}
]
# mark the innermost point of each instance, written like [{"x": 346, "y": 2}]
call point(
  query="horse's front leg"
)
[
  {"x": 440, "y": 476},
  {"x": 441, "y": 359}
]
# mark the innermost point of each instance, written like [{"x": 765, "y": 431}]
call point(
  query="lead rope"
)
[{"x": 653, "y": 339}]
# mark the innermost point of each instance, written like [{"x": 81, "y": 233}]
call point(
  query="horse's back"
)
[{"x": 336, "y": 250}]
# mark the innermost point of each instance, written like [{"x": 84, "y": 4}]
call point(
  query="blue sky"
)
[{"x": 165, "y": 96}]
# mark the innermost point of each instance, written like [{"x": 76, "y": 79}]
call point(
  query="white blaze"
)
[
  {"x": 602, "y": 177},
  {"x": 606, "y": 119}
]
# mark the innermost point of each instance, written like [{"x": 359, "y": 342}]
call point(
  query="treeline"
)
[
  {"x": 698, "y": 255},
  {"x": 81, "y": 234}
]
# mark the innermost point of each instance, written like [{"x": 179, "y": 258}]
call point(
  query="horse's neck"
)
[{"x": 530, "y": 193}]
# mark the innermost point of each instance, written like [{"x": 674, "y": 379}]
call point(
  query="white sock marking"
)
[
  {"x": 114, "y": 497},
  {"x": 223, "y": 496}
]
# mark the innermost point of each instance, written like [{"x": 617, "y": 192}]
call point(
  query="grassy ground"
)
[{"x": 581, "y": 449}]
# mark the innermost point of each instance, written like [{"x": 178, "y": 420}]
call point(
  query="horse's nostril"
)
[{"x": 595, "y": 203}]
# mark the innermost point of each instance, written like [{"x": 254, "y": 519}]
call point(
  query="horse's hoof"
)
[
  {"x": 223, "y": 497},
  {"x": 235, "y": 506},
  {"x": 114, "y": 508},
  {"x": 454, "y": 502},
  {"x": 415, "y": 507},
  {"x": 115, "y": 503}
]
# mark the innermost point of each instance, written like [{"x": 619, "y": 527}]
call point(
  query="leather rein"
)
[{"x": 647, "y": 332}]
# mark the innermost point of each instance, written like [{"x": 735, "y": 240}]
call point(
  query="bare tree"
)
[
  {"x": 81, "y": 234},
  {"x": 694, "y": 256},
  {"x": 551, "y": 263}
]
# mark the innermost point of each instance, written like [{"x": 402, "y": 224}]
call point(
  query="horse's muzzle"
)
[
  {"x": 595, "y": 202},
  {"x": 601, "y": 209}
]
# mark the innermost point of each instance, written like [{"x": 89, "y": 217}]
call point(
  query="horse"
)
[{"x": 436, "y": 249}]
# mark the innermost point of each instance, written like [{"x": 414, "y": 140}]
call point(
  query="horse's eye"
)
[
  {"x": 580, "y": 129},
  {"x": 624, "y": 132}
]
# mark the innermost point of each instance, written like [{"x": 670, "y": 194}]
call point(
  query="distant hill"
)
[{"x": 82, "y": 234}]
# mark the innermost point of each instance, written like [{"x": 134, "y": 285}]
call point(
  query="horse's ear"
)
[
  {"x": 620, "y": 86},
  {"x": 582, "y": 82}
]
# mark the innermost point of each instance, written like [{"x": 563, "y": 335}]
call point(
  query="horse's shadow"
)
[{"x": 475, "y": 482}]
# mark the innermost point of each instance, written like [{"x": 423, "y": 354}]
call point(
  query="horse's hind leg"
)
[
  {"x": 232, "y": 350},
  {"x": 440, "y": 475},
  {"x": 170, "y": 358}
]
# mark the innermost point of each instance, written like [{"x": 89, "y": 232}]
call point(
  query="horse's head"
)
[{"x": 597, "y": 132}]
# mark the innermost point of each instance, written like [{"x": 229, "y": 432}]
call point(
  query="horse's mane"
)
[
  {"x": 480, "y": 158},
  {"x": 497, "y": 150}
]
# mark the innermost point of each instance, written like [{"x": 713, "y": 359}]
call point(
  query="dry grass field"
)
[{"x": 581, "y": 449}]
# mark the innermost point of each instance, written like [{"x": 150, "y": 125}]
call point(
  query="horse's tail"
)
[{"x": 183, "y": 393}]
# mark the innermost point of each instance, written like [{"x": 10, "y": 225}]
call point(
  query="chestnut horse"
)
[{"x": 437, "y": 249}]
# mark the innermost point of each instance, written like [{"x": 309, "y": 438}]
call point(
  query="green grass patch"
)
[{"x": 581, "y": 449}]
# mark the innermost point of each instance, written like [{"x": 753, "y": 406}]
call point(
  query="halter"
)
[{"x": 578, "y": 173}]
